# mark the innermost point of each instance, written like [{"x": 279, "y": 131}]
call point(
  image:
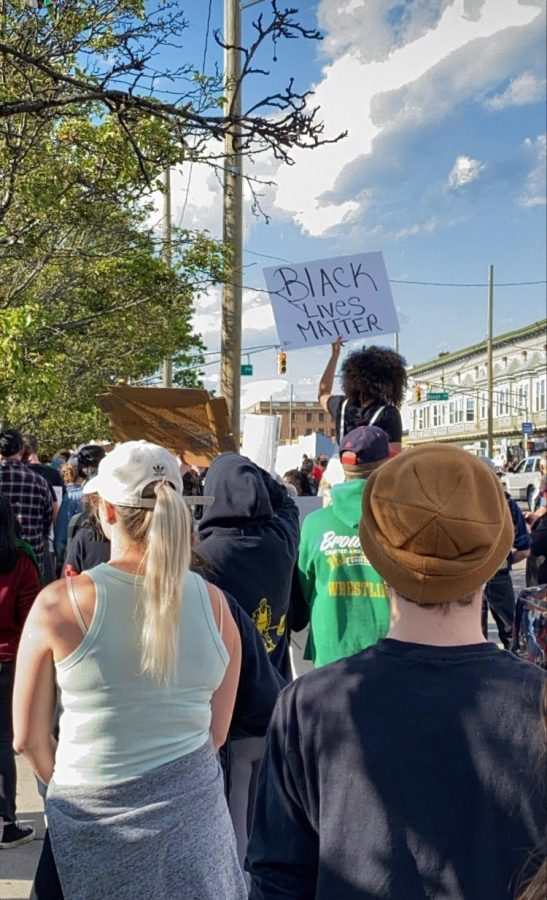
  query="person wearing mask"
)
[
  {"x": 19, "y": 585},
  {"x": 347, "y": 600},
  {"x": 248, "y": 539},
  {"x": 147, "y": 659},
  {"x": 417, "y": 768},
  {"x": 374, "y": 381},
  {"x": 28, "y": 493},
  {"x": 319, "y": 468}
]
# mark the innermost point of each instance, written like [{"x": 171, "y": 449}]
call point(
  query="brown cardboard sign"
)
[{"x": 188, "y": 422}]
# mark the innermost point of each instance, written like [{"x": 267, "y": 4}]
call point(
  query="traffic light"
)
[
  {"x": 417, "y": 393},
  {"x": 282, "y": 362}
]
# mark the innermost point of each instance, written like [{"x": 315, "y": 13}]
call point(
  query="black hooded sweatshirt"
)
[{"x": 249, "y": 540}]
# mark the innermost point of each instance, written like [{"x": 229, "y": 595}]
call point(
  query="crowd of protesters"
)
[{"x": 409, "y": 764}]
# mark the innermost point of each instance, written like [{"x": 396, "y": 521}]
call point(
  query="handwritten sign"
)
[{"x": 315, "y": 302}]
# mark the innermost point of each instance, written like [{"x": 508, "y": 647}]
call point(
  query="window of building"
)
[
  {"x": 503, "y": 400},
  {"x": 469, "y": 409},
  {"x": 540, "y": 395},
  {"x": 484, "y": 405},
  {"x": 414, "y": 419},
  {"x": 455, "y": 411},
  {"x": 321, "y": 416},
  {"x": 308, "y": 431},
  {"x": 293, "y": 432},
  {"x": 522, "y": 399},
  {"x": 293, "y": 416},
  {"x": 320, "y": 431},
  {"x": 436, "y": 415},
  {"x": 309, "y": 418}
]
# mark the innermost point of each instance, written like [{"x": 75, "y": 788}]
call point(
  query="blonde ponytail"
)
[{"x": 166, "y": 529}]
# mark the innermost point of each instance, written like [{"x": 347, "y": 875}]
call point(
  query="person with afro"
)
[{"x": 374, "y": 381}]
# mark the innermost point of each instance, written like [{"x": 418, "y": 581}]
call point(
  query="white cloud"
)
[
  {"x": 526, "y": 88},
  {"x": 535, "y": 187},
  {"x": 464, "y": 171},
  {"x": 454, "y": 52},
  {"x": 257, "y": 312},
  {"x": 260, "y": 390}
]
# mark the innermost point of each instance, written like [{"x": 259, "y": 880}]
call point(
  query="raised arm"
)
[{"x": 327, "y": 378}]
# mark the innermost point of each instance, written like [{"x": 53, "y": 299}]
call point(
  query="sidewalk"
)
[{"x": 17, "y": 867}]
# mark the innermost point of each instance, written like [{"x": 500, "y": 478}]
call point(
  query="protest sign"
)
[
  {"x": 315, "y": 302},
  {"x": 261, "y": 440},
  {"x": 190, "y": 423}
]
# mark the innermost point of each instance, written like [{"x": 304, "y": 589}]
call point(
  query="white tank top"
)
[{"x": 116, "y": 722}]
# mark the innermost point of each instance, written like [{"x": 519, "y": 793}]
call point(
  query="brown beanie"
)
[{"x": 435, "y": 524}]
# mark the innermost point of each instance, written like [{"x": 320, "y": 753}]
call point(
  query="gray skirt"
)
[{"x": 166, "y": 834}]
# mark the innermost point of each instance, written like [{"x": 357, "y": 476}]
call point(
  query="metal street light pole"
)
[
  {"x": 489, "y": 364},
  {"x": 230, "y": 366}
]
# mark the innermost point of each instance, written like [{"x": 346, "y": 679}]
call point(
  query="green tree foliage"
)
[{"x": 85, "y": 133}]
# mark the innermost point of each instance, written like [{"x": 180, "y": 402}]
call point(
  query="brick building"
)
[{"x": 307, "y": 417}]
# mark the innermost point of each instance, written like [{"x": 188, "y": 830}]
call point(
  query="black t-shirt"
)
[
  {"x": 89, "y": 548},
  {"x": 405, "y": 772},
  {"x": 354, "y": 416},
  {"x": 51, "y": 475}
]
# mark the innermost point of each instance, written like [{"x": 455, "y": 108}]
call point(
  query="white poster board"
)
[
  {"x": 261, "y": 440},
  {"x": 315, "y": 302}
]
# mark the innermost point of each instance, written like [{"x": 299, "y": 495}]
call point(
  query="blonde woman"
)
[{"x": 147, "y": 659}]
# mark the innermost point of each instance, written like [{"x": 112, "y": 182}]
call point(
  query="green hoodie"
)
[{"x": 349, "y": 607}]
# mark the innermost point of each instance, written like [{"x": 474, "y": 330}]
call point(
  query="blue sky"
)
[{"x": 443, "y": 170}]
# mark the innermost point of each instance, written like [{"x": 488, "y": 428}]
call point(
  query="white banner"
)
[{"x": 315, "y": 302}]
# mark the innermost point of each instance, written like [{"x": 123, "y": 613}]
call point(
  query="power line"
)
[
  {"x": 466, "y": 284},
  {"x": 407, "y": 281}
]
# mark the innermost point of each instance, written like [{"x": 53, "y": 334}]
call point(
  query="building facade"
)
[
  {"x": 448, "y": 398},
  {"x": 306, "y": 418}
]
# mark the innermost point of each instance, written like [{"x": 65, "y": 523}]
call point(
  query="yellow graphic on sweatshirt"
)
[
  {"x": 262, "y": 617},
  {"x": 357, "y": 589}
]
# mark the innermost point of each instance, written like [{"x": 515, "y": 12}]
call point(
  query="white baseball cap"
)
[{"x": 131, "y": 467}]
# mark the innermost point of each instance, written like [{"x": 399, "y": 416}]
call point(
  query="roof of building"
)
[{"x": 508, "y": 337}]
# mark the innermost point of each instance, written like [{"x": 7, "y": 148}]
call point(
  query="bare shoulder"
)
[
  {"x": 53, "y": 601},
  {"x": 52, "y": 598}
]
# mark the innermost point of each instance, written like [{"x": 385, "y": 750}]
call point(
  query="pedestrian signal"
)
[{"x": 282, "y": 362}]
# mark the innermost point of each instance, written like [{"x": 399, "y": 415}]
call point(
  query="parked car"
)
[{"x": 523, "y": 483}]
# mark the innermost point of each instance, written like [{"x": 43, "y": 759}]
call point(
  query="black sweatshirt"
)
[
  {"x": 405, "y": 772},
  {"x": 248, "y": 539}
]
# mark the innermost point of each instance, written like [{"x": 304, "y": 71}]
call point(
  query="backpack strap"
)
[
  {"x": 343, "y": 417},
  {"x": 376, "y": 414}
]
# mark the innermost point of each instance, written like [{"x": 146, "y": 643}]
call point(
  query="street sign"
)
[
  {"x": 246, "y": 369},
  {"x": 527, "y": 427},
  {"x": 437, "y": 395}
]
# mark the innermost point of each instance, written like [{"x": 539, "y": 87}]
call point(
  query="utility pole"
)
[
  {"x": 230, "y": 364},
  {"x": 167, "y": 378},
  {"x": 489, "y": 365},
  {"x": 291, "y": 403}
]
